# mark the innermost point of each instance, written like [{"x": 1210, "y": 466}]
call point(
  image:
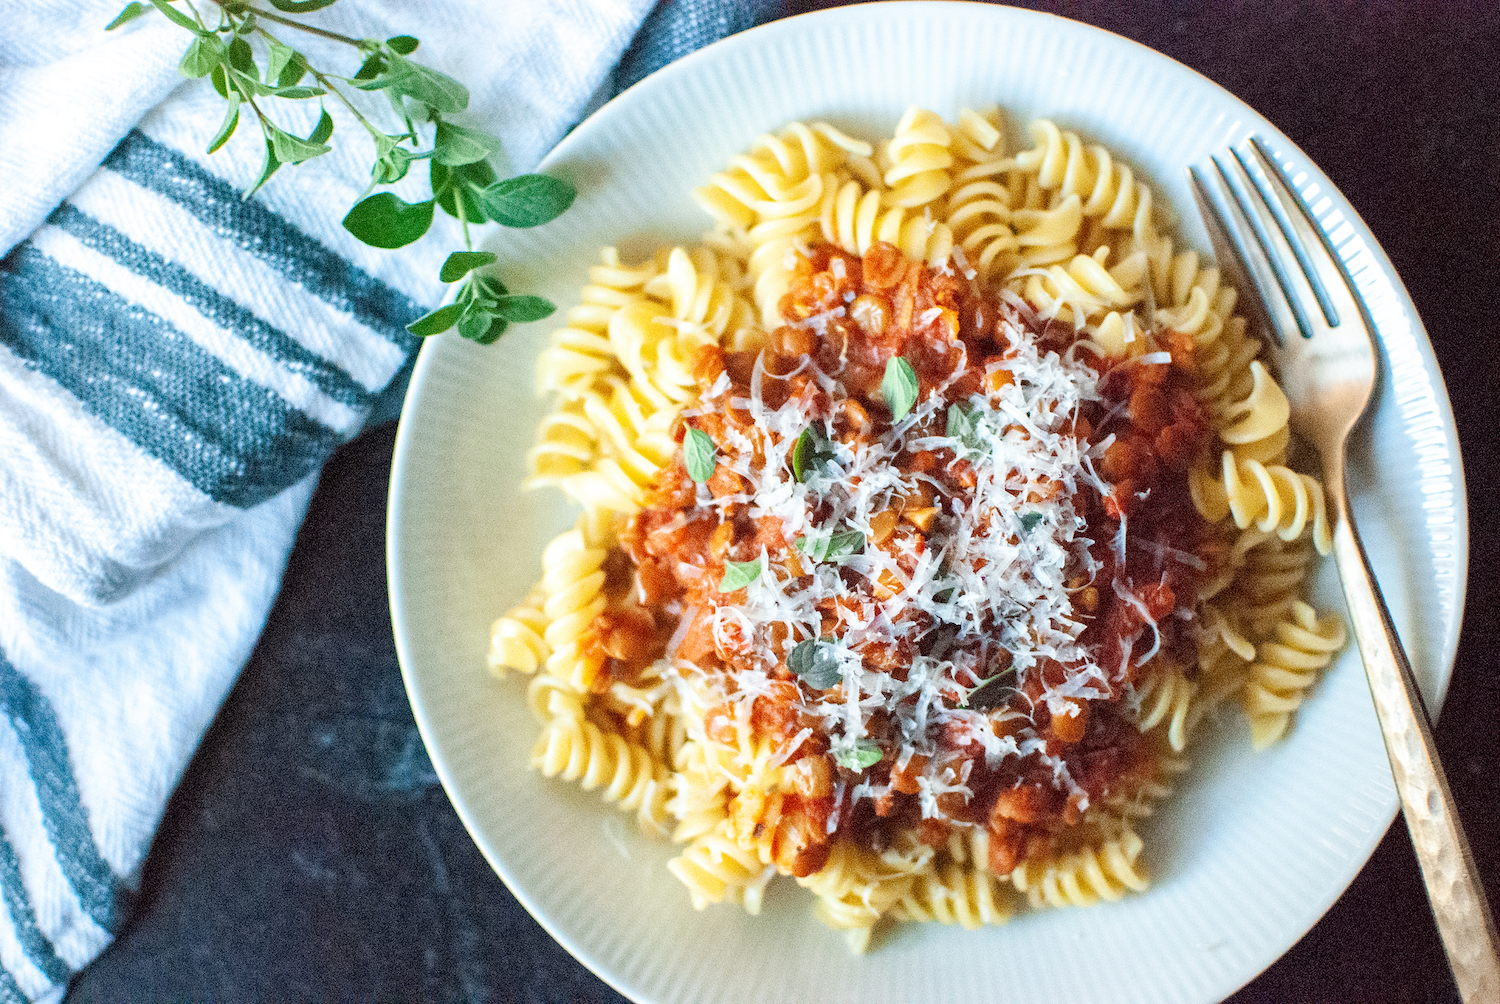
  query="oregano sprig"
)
[{"x": 234, "y": 45}]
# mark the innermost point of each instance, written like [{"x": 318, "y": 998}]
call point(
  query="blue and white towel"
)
[{"x": 176, "y": 364}]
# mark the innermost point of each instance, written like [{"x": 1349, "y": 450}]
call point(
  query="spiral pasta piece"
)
[
  {"x": 856, "y": 218},
  {"x": 1165, "y": 698},
  {"x": 777, "y": 177},
  {"x": 1275, "y": 499},
  {"x": 1084, "y": 290},
  {"x": 854, "y": 889},
  {"x": 1261, "y": 414},
  {"x": 579, "y": 354},
  {"x": 572, "y": 583},
  {"x": 919, "y": 160},
  {"x": 952, "y": 893},
  {"x": 549, "y": 697},
  {"x": 1105, "y": 188},
  {"x": 1285, "y": 667},
  {"x": 716, "y": 870},
  {"x": 1194, "y": 300},
  {"x": 516, "y": 639},
  {"x": 979, "y": 216},
  {"x": 1271, "y": 581},
  {"x": 969, "y": 845},
  {"x": 1104, "y": 871},
  {"x": 565, "y": 445},
  {"x": 576, "y": 749},
  {"x": 700, "y": 795}
]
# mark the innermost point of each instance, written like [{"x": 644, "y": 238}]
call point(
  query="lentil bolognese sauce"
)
[{"x": 938, "y": 538}]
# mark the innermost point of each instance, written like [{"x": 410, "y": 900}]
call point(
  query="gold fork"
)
[{"x": 1327, "y": 361}]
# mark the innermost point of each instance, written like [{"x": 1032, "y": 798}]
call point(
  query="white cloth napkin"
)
[{"x": 176, "y": 364}]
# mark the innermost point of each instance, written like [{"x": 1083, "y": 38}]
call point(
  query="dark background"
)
[{"x": 310, "y": 853}]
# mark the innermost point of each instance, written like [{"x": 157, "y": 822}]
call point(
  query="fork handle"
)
[{"x": 1453, "y": 884}]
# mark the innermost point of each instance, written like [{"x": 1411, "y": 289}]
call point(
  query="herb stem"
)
[
  {"x": 278, "y": 19},
  {"x": 327, "y": 83},
  {"x": 463, "y": 219},
  {"x": 196, "y": 16}
]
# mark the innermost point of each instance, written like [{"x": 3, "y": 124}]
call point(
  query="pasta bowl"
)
[{"x": 1253, "y": 848}]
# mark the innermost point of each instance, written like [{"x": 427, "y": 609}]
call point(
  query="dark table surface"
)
[{"x": 310, "y": 853}]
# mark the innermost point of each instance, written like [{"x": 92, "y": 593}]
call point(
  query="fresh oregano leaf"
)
[
  {"x": 203, "y": 54},
  {"x": 527, "y": 200},
  {"x": 404, "y": 44},
  {"x": 522, "y": 309},
  {"x": 220, "y": 82},
  {"x": 738, "y": 575},
  {"x": 295, "y": 93},
  {"x": 465, "y": 182},
  {"x": 963, "y": 425},
  {"x": 865, "y": 754},
  {"x": 816, "y": 662},
  {"x": 294, "y": 149},
  {"x": 489, "y": 286},
  {"x": 845, "y": 543},
  {"x": 369, "y": 70},
  {"x": 300, "y": 6},
  {"x": 279, "y": 57},
  {"x": 323, "y": 130},
  {"x": 436, "y": 321},
  {"x": 176, "y": 16},
  {"x": 231, "y": 119},
  {"x": 130, "y": 13},
  {"x": 898, "y": 388},
  {"x": 497, "y": 328},
  {"x": 840, "y": 544},
  {"x": 382, "y": 220},
  {"x": 699, "y": 455},
  {"x": 295, "y": 69},
  {"x": 455, "y": 146},
  {"x": 241, "y": 57},
  {"x": 812, "y": 452},
  {"x": 438, "y": 91},
  {"x": 474, "y": 322},
  {"x": 461, "y": 263},
  {"x": 267, "y": 168},
  {"x": 248, "y": 83},
  {"x": 392, "y": 165}
]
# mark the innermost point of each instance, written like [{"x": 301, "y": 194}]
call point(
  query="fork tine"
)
[
  {"x": 1271, "y": 183},
  {"x": 1251, "y": 268},
  {"x": 1325, "y": 270}
]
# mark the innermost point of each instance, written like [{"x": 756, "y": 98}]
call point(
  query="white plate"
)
[{"x": 1254, "y": 849}]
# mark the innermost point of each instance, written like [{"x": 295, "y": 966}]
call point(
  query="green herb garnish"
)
[
  {"x": 866, "y": 753},
  {"x": 969, "y": 694},
  {"x": 836, "y": 545},
  {"x": 1030, "y": 520},
  {"x": 739, "y": 574},
  {"x": 963, "y": 425},
  {"x": 899, "y": 387},
  {"x": 699, "y": 454},
  {"x": 816, "y": 662},
  {"x": 234, "y": 47},
  {"x": 813, "y": 451}
]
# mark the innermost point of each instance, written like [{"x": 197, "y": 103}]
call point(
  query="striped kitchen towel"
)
[{"x": 176, "y": 363}]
